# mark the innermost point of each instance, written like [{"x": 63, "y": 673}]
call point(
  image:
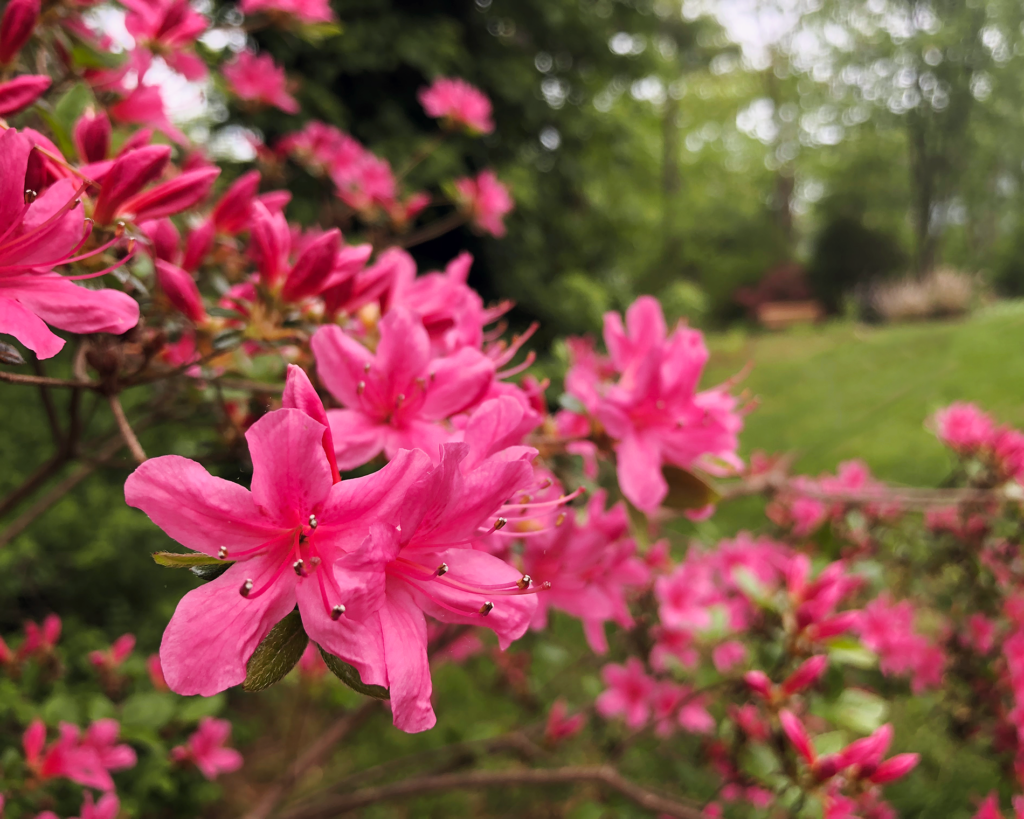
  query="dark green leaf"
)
[
  {"x": 277, "y": 654},
  {"x": 686, "y": 490},
  {"x": 90, "y": 58},
  {"x": 177, "y": 560},
  {"x": 227, "y": 339},
  {"x": 348, "y": 675},
  {"x": 69, "y": 108},
  {"x": 208, "y": 572}
]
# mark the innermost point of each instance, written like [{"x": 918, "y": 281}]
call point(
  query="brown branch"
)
[
  {"x": 415, "y": 786},
  {"x": 32, "y": 483},
  {"x": 314, "y": 755},
  {"x": 40, "y": 381},
  {"x": 25, "y": 519},
  {"x": 126, "y": 429},
  {"x": 432, "y": 231},
  {"x": 51, "y": 410}
]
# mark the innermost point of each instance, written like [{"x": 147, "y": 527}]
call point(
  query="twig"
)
[
  {"x": 25, "y": 519},
  {"x": 432, "y": 231},
  {"x": 315, "y": 755},
  {"x": 126, "y": 429},
  {"x": 51, "y": 411},
  {"x": 597, "y": 774},
  {"x": 40, "y": 381}
]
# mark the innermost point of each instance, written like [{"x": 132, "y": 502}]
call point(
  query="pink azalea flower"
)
[
  {"x": 628, "y": 694},
  {"x": 313, "y": 270},
  {"x": 257, "y": 78},
  {"x": 16, "y": 26},
  {"x": 40, "y": 640},
  {"x": 728, "y": 655},
  {"x": 287, "y": 539},
  {"x": 459, "y": 104},
  {"x": 963, "y": 427},
  {"x": 486, "y": 201},
  {"x": 590, "y": 567},
  {"x": 311, "y": 664},
  {"x": 654, "y": 412},
  {"x": 560, "y": 725},
  {"x": 144, "y": 105},
  {"x": 981, "y": 633},
  {"x": 168, "y": 28},
  {"x": 206, "y": 749},
  {"x": 156, "y": 673},
  {"x": 351, "y": 286},
  {"x": 107, "y": 808},
  {"x": 181, "y": 291},
  {"x": 33, "y": 240},
  {"x": 85, "y": 761},
  {"x": 21, "y": 92},
  {"x": 92, "y": 136},
  {"x": 399, "y": 397},
  {"x": 888, "y": 629},
  {"x": 433, "y": 570},
  {"x": 306, "y": 11},
  {"x": 112, "y": 658}
]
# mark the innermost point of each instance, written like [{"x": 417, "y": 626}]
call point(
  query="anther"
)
[
  {"x": 314, "y": 562},
  {"x": 366, "y": 367},
  {"x": 312, "y": 522},
  {"x": 560, "y": 519},
  {"x": 442, "y": 570},
  {"x": 337, "y": 611},
  {"x": 222, "y": 552},
  {"x": 300, "y": 567},
  {"x": 30, "y": 197},
  {"x": 486, "y": 608},
  {"x": 524, "y": 581},
  {"x": 400, "y": 398},
  {"x": 547, "y": 483},
  {"x": 119, "y": 229},
  {"x": 360, "y": 387},
  {"x": 500, "y": 523},
  {"x": 246, "y": 588},
  {"x": 546, "y": 584}
]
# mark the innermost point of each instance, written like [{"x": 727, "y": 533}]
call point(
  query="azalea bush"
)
[{"x": 373, "y": 491}]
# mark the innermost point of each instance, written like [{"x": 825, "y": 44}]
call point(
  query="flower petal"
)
[{"x": 405, "y": 650}]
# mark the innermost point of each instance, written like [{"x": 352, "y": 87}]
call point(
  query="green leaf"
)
[
  {"x": 149, "y": 709},
  {"x": 687, "y": 490},
  {"x": 87, "y": 57},
  {"x": 848, "y": 651},
  {"x": 571, "y": 403},
  {"x": 316, "y": 33},
  {"x": 209, "y": 572},
  {"x": 859, "y": 711},
  {"x": 195, "y": 708},
  {"x": 227, "y": 339},
  {"x": 177, "y": 560},
  {"x": 60, "y": 136},
  {"x": 348, "y": 675},
  {"x": 277, "y": 654},
  {"x": 72, "y": 105}
]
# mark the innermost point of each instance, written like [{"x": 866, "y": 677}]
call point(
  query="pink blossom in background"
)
[
  {"x": 289, "y": 539},
  {"x": 168, "y": 28},
  {"x": 561, "y": 725},
  {"x": 33, "y": 240},
  {"x": 728, "y": 655},
  {"x": 399, "y": 397},
  {"x": 887, "y": 628},
  {"x": 653, "y": 411},
  {"x": 311, "y": 664},
  {"x": 40, "y": 640},
  {"x": 144, "y": 105},
  {"x": 486, "y": 201},
  {"x": 156, "y": 673},
  {"x": 590, "y": 564},
  {"x": 86, "y": 761},
  {"x": 628, "y": 693},
  {"x": 458, "y": 102},
  {"x": 963, "y": 427},
  {"x": 206, "y": 749},
  {"x": 107, "y": 807},
  {"x": 980, "y": 634},
  {"x": 306, "y": 11},
  {"x": 112, "y": 658},
  {"x": 257, "y": 78}
]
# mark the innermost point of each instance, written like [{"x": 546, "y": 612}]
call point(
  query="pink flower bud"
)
[
  {"x": 197, "y": 245},
  {"x": 895, "y": 768},
  {"x": 21, "y": 92},
  {"x": 164, "y": 237},
  {"x": 129, "y": 174},
  {"x": 794, "y": 729},
  {"x": 20, "y": 18},
  {"x": 181, "y": 290},
  {"x": 33, "y": 741},
  {"x": 271, "y": 240},
  {"x": 868, "y": 752},
  {"x": 232, "y": 213},
  {"x": 312, "y": 267},
  {"x": 156, "y": 673},
  {"x": 122, "y": 647},
  {"x": 92, "y": 136},
  {"x": 180, "y": 193},
  {"x": 806, "y": 675},
  {"x": 759, "y": 683}
]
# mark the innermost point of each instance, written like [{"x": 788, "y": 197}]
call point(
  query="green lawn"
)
[{"x": 841, "y": 390}]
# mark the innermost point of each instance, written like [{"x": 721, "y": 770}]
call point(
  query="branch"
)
[
  {"x": 126, "y": 429},
  {"x": 432, "y": 231},
  {"x": 25, "y": 519},
  {"x": 314, "y": 756},
  {"x": 51, "y": 411},
  {"x": 41, "y": 381},
  {"x": 415, "y": 786}
]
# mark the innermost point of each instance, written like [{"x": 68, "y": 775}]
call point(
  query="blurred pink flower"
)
[
  {"x": 206, "y": 749},
  {"x": 16, "y": 26},
  {"x": 486, "y": 201},
  {"x": 560, "y": 725},
  {"x": 21, "y": 92},
  {"x": 306, "y": 11},
  {"x": 963, "y": 427},
  {"x": 628, "y": 693},
  {"x": 111, "y": 658},
  {"x": 257, "y": 78},
  {"x": 459, "y": 103}
]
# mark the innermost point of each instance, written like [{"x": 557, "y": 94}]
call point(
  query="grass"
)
[{"x": 842, "y": 390}]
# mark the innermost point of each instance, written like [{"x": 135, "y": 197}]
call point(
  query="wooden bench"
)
[{"x": 776, "y": 315}]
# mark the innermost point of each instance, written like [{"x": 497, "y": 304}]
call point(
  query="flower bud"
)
[
  {"x": 794, "y": 730},
  {"x": 759, "y": 683},
  {"x": 806, "y": 675},
  {"x": 129, "y": 174},
  {"x": 20, "y": 18},
  {"x": 92, "y": 136},
  {"x": 174, "y": 196},
  {"x": 234, "y": 210},
  {"x": 21, "y": 92},
  {"x": 312, "y": 267},
  {"x": 895, "y": 768},
  {"x": 181, "y": 290}
]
